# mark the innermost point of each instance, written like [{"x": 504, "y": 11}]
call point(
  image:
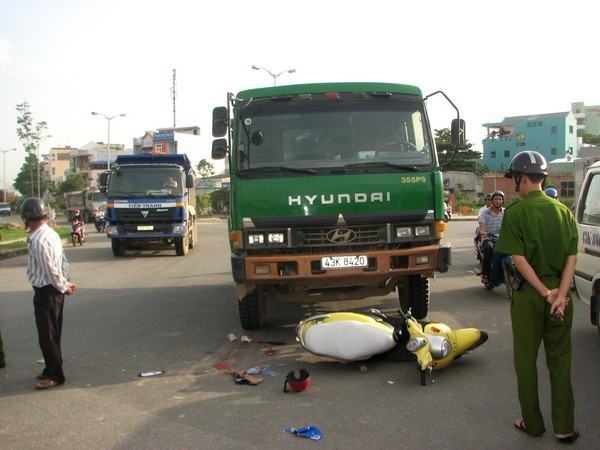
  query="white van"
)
[
  {"x": 4, "y": 209},
  {"x": 587, "y": 271}
]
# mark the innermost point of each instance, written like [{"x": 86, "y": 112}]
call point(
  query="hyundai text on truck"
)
[
  {"x": 336, "y": 193},
  {"x": 151, "y": 203}
]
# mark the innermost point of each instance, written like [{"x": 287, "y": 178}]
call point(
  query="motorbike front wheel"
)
[{"x": 73, "y": 240}]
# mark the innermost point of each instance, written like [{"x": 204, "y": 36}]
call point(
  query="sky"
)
[{"x": 493, "y": 59}]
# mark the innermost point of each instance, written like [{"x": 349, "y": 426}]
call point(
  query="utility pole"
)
[
  {"x": 4, "y": 152},
  {"x": 173, "y": 92}
]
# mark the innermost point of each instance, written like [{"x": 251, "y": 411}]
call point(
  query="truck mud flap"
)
[
  {"x": 444, "y": 258},
  {"x": 237, "y": 268}
]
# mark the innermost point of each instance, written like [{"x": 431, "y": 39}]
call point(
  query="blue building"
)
[{"x": 553, "y": 135}]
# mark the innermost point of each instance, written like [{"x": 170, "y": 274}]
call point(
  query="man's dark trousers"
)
[{"x": 48, "y": 304}]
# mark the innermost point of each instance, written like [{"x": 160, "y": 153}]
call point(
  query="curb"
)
[{"x": 12, "y": 253}]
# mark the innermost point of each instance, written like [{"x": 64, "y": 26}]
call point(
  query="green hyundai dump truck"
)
[{"x": 336, "y": 193}]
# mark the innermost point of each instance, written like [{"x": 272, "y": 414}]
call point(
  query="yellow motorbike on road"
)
[{"x": 350, "y": 336}]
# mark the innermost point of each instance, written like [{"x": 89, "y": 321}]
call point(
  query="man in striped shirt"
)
[
  {"x": 48, "y": 273},
  {"x": 490, "y": 223}
]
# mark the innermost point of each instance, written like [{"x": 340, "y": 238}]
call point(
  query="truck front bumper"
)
[{"x": 382, "y": 264}]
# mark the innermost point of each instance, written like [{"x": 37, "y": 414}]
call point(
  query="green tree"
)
[
  {"x": 30, "y": 134},
  {"x": 25, "y": 182},
  {"x": 205, "y": 169},
  {"x": 589, "y": 138},
  {"x": 73, "y": 182},
  {"x": 466, "y": 159}
]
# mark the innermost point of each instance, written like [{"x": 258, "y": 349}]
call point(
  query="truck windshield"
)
[
  {"x": 138, "y": 182},
  {"x": 98, "y": 197},
  {"x": 353, "y": 132}
]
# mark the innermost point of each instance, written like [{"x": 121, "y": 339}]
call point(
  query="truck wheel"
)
[
  {"x": 415, "y": 297},
  {"x": 193, "y": 235},
  {"x": 249, "y": 309},
  {"x": 182, "y": 246},
  {"x": 118, "y": 248}
]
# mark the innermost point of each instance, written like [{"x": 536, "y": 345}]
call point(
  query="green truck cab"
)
[{"x": 336, "y": 193}]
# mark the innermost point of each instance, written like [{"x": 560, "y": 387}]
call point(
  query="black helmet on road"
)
[
  {"x": 527, "y": 163},
  {"x": 33, "y": 209},
  {"x": 496, "y": 193}
]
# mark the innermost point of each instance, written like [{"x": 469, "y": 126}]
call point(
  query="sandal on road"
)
[{"x": 568, "y": 438}]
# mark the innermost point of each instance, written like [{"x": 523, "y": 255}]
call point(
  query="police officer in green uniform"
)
[{"x": 541, "y": 235}]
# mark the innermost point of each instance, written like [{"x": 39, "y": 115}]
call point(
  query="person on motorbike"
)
[
  {"x": 484, "y": 208},
  {"x": 79, "y": 218},
  {"x": 490, "y": 223}
]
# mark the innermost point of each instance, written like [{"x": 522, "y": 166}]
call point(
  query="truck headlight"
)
[
  {"x": 179, "y": 228},
  {"x": 422, "y": 230},
  {"x": 276, "y": 238},
  {"x": 111, "y": 230},
  {"x": 254, "y": 239},
  {"x": 404, "y": 232}
]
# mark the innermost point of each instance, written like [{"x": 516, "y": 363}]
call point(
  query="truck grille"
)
[
  {"x": 136, "y": 215},
  {"x": 345, "y": 236}
]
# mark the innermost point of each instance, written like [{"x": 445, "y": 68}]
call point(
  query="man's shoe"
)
[{"x": 47, "y": 384}]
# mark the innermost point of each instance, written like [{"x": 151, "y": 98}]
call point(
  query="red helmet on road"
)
[{"x": 297, "y": 384}]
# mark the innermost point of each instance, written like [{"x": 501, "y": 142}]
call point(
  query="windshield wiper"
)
[
  {"x": 382, "y": 164},
  {"x": 278, "y": 169},
  {"x": 127, "y": 194}
]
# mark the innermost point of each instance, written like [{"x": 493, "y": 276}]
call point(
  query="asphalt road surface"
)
[{"x": 155, "y": 311}]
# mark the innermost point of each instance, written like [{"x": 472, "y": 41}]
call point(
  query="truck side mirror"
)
[
  {"x": 103, "y": 181},
  {"x": 219, "y": 148},
  {"x": 220, "y": 121},
  {"x": 458, "y": 133},
  {"x": 189, "y": 181}
]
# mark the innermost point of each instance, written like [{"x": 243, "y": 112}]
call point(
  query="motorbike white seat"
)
[{"x": 348, "y": 340}]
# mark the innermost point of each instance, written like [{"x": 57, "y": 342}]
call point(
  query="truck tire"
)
[
  {"x": 249, "y": 309},
  {"x": 193, "y": 234},
  {"x": 182, "y": 246},
  {"x": 118, "y": 248},
  {"x": 415, "y": 296}
]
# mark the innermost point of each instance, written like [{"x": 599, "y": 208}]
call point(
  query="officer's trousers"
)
[{"x": 532, "y": 323}]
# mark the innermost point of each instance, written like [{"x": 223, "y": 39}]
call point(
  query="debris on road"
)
[
  {"x": 272, "y": 342},
  {"x": 224, "y": 367},
  {"x": 232, "y": 337},
  {"x": 270, "y": 351},
  {"x": 151, "y": 374},
  {"x": 262, "y": 371},
  {"x": 310, "y": 432},
  {"x": 245, "y": 338},
  {"x": 244, "y": 378}
]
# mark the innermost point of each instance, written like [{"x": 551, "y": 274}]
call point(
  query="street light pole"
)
[
  {"x": 108, "y": 119},
  {"x": 4, "y": 152},
  {"x": 274, "y": 75}
]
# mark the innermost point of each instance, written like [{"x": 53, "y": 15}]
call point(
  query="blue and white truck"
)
[{"x": 151, "y": 203}]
